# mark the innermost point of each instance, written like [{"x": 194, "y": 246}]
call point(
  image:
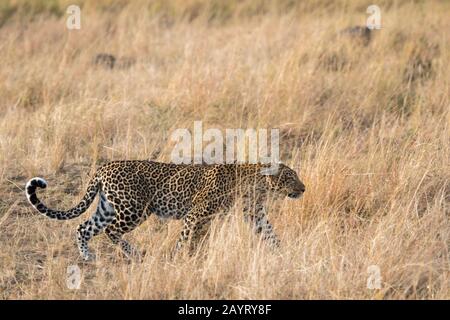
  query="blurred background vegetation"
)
[{"x": 211, "y": 11}]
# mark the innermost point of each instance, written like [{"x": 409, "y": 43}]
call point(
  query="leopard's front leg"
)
[
  {"x": 255, "y": 214},
  {"x": 263, "y": 226},
  {"x": 195, "y": 223}
]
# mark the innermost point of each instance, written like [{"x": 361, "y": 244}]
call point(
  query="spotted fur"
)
[{"x": 130, "y": 191}]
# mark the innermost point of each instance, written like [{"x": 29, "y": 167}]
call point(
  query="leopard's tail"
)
[{"x": 80, "y": 208}]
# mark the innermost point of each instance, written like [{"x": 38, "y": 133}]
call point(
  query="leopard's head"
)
[{"x": 285, "y": 182}]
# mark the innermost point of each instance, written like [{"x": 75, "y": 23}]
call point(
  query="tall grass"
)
[{"x": 366, "y": 127}]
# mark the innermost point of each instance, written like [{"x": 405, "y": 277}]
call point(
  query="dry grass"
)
[{"x": 366, "y": 126}]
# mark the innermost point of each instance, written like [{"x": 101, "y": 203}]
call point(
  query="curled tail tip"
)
[
  {"x": 30, "y": 189},
  {"x": 36, "y": 182}
]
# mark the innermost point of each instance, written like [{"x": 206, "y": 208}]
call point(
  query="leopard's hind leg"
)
[
  {"x": 115, "y": 234},
  {"x": 130, "y": 213},
  {"x": 102, "y": 217}
]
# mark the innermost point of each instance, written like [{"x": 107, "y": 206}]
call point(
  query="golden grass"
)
[{"x": 366, "y": 127}]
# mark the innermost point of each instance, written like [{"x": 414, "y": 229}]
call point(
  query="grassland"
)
[{"x": 367, "y": 128}]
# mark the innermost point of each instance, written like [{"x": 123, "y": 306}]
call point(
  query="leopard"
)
[{"x": 131, "y": 190}]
